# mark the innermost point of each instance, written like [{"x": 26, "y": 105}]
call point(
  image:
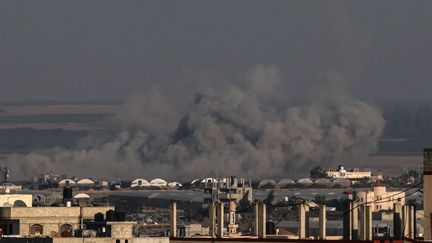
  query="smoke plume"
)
[{"x": 236, "y": 131}]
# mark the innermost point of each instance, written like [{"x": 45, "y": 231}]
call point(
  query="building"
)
[
  {"x": 58, "y": 224},
  {"x": 380, "y": 198},
  {"x": 46, "y": 220},
  {"x": 228, "y": 189},
  {"x": 15, "y": 200},
  {"x": 427, "y": 192},
  {"x": 353, "y": 173}
]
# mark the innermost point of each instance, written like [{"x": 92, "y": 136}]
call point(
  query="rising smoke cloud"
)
[{"x": 221, "y": 133}]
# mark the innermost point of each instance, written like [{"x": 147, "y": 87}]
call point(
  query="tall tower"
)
[
  {"x": 232, "y": 226},
  {"x": 427, "y": 192}
]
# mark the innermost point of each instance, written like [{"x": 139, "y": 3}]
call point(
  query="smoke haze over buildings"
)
[{"x": 223, "y": 132}]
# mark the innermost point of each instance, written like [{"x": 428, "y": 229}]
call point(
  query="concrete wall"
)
[
  {"x": 254, "y": 240},
  {"x": 51, "y": 218},
  {"x": 25, "y": 240},
  {"x": 41, "y": 212},
  {"x": 112, "y": 240},
  {"x": 151, "y": 240},
  {"x": 83, "y": 240},
  {"x": 10, "y": 199},
  {"x": 121, "y": 230}
]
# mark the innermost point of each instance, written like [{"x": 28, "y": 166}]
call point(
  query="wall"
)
[
  {"x": 12, "y": 198},
  {"x": 252, "y": 240},
  {"x": 51, "y": 218},
  {"x": 112, "y": 240},
  {"x": 25, "y": 240},
  {"x": 151, "y": 240},
  {"x": 388, "y": 198}
]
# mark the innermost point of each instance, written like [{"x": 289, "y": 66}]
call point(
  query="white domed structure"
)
[
  {"x": 324, "y": 182},
  {"x": 305, "y": 182},
  {"x": 158, "y": 182},
  {"x": 85, "y": 182},
  {"x": 139, "y": 183},
  {"x": 63, "y": 183},
  {"x": 341, "y": 182},
  {"x": 267, "y": 182},
  {"x": 209, "y": 180},
  {"x": 81, "y": 196},
  {"x": 174, "y": 184},
  {"x": 195, "y": 182},
  {"x": 285, "y": 183}
]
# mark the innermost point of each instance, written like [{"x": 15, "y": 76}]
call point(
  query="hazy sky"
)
[{"x": 102, "y": 49}]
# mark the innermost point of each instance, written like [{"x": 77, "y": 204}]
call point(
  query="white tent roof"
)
[
  {"x": 85, "y": 182},
  {"x": 81, "y": 196},
  {"x": 342, "y": 182},
  {"x": 305, "y": 181},
  {"x": 195, "y": 181},
  {"x": 286, "y": 181},
  {"x": 266, "y": 182},
  {"x": 323, "y": 182},
  {"x": 139, "y": 182},
  {"x": 174, "y": 184},
  {"x": 158, "y": 182},
  {"x": 63, "y": 182},
  {"x": 209, "y": 180}
]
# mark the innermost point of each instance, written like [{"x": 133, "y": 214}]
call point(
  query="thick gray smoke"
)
[{"x": 230, "y": 132}]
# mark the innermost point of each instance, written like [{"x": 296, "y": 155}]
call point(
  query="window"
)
[
  {"x": 10, "y": 232},
  {"x": 36, "y": 229},
  {"x": 19, "y": 203},
  {"x": 117, "y": 241}
]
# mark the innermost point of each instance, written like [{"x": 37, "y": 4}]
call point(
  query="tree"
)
[
  {"x": 320, "y": 199},
  {"x": 318, "y": 172},
  {"x": 244, "y": 203},
  {"x": 270, "y": 198}
]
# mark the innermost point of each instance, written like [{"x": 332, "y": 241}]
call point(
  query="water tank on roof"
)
[
  {"x": 110, "y": 216},
  {"x": 67, "y": 193}
]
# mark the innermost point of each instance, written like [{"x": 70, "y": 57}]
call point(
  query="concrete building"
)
[
  {"x": 96, "y": 224},
  {"x": 46, "y": 220},
  {"x": 228, "y": 189},
  {"x": 354, "y": 173},
  {"x": 15, "y": 200},
  {"x": 380, "y": 198},
  {"x": 232, "y": 219}
]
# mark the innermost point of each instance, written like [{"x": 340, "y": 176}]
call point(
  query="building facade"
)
[
  {"x": 46, "y": 221},
  {"x": 354, "y": 173},
  {"x": 379, "y": 198}
]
